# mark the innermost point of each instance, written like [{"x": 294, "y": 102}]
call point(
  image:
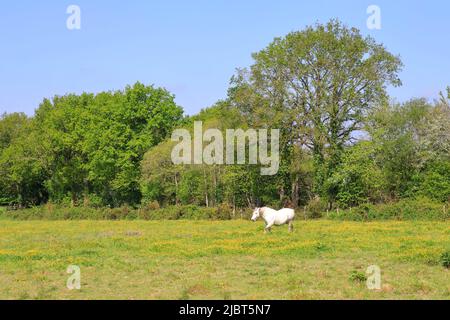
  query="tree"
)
[
  {"x": 160, "y": 178},
  {"x": 435, "y": 132},
  {"x": 435, "y": 182},
  {"x": 400, "y": 133},
  {"x": 317, "y": 85},
  {"x": 22, "y": 164},
  {"x": 61, "y": 124},
  {"x": 81, "y": 145},
  {"x": 123, "y": 126},
  {"x": 12, "y": 127},
  {"x": 359, "y": 178}
]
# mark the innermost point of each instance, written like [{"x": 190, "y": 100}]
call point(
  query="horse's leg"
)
[
  {"x": 291, "y": 226},
  {"x": 268, "y": 227}
]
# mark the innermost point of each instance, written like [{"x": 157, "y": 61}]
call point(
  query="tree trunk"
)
[
  {"x": 176, "y": 189},
  {"x": 74, "y": 200},
  {"x": 281, "y": 193},
  {"x": 234, "y": 206},
  {"x": 295, "y": 192},
  {"x": 214, "y": 199},
  {"x": 206, "y": 188}
]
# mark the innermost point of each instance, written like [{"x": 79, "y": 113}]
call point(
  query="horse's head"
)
[{"x": 256, "y": 214}]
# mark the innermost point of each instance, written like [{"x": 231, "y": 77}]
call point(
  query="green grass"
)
[{"x": 222, "y": 260}]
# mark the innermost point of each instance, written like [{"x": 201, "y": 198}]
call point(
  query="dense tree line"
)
[
  {"x": 343, "y": 141},
  {"x": 402, "y": 151},
  {"x": 84, "y": 148}
]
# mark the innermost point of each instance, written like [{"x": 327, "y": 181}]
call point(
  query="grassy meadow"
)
[{"x": 222, "y": 260}]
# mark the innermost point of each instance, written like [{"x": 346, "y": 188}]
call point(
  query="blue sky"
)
[{"x": 193, "y": 47}]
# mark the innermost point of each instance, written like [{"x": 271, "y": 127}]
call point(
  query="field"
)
[{"x": 222, "y": 260}]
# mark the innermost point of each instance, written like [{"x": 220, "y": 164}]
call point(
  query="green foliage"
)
[
  {"x": 405, "y": 209},
  {"x": 359, "y": 179},
  {"x": 436, "y": 181},
  {"x": 420, "y": 209},
  {"x": 397, "y": 133},
  {"x": 82, "y": 145},
  {"x": 12, "y": 126},
  {"x": 22, "y": 165},
  {"x": 151, "y": 211},
  {"x": 54, "y": 212},
  {"x": 205, "y": 185},
  {"x": 317, "y": 85},
  {"x": 186, "y": 212},
  {"x": 357, "y": 276},
  {"x": 315, "y": 208},
  {"x": 92, "y": 201},
  {"x": 445, "y": 259}
]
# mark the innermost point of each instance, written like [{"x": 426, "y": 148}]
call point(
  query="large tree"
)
[
  {"x": 22, "y": 165},
  {"x": 317, "y": 85}
]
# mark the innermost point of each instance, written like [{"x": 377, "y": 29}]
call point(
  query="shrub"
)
[
  {"x": 224, "y": 212},
  {"x": 436, "y": 181},
  {"x": 445, "y": 259},
  {"x": 5, "y": 202},
  {"x": 144, "y": 213},
  {"x": 193, "y": 212},
  {"x": 146, "y": 210},
  {"x": 121, "y": 213},
  {"x": 406, "y": 209},
  {"x": 153, "y": 205},
  {"x": 187, "y": 212},
  {"x": 54, "y": 212},
  {"x": 357, "y": 276},
  {"x": 315, "y": 208},
  {"x": 92, "y": 201},
  {"x": 168, "y": 213},
  {"x": 362, "y": 212}
]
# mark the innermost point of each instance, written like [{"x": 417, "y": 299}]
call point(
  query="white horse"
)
[{"x": 273, "y": 217}]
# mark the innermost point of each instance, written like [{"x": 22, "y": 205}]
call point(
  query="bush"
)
[
  {"x": 315, "y": 208},
  {"x": 193, "y": 212},
  {"x": 362, "y": 212},
  {"x": 92, "y": 201},
  {"x": 224, "y": 212},
  {"x": 168, "y": 213},
  {"x": 445, "y": 259},
  {"x": 120, "y": 213},
  {"x": 54, "y": 212},
  {"x": 436, "y": 182},
  {"x": 357, "y": 276},
  {"x": 5, "y": 202},
  {"x": 406, "y": 209},
  {"x": 187, "y": 212},
  {"x": 153, "y": 205}
]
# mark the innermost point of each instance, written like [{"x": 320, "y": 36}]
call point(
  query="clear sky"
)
[{"x": 193, "y": 47}]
